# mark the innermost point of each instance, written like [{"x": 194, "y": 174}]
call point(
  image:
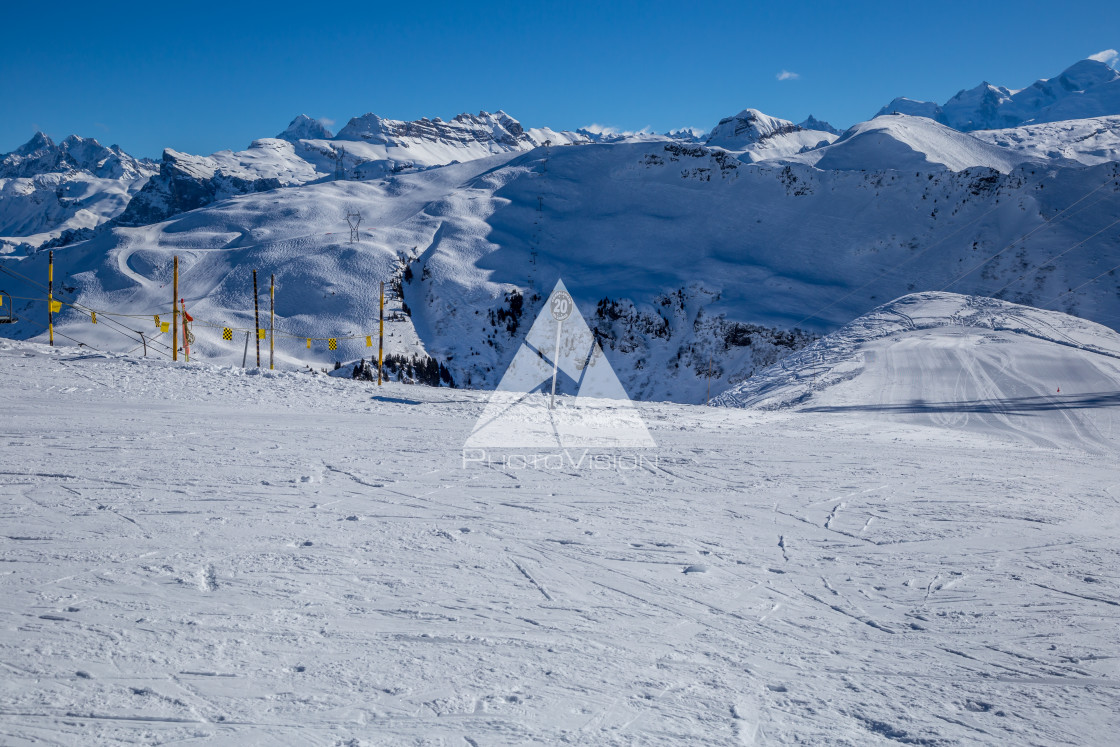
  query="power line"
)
[
  {"x": 115, "y": 326},
  {"x": 1056, "y": 256},
  {"x": 1045, "y": 224},
  {"x": 1056, "y": 218}
]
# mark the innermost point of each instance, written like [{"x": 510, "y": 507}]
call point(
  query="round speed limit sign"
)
[{"x": 561, "y": 305}]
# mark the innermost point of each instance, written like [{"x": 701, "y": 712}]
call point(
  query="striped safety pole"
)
[
  {"x": 50, "y": 295},
  {"x": 380, "y": 334}
]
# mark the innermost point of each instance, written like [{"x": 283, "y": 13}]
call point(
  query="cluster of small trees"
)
[
  {"x": 509, "y": 317},
  {"x": 414, "y": 369}
]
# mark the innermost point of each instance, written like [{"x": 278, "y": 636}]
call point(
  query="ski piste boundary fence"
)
[{"x": 169, "y": 323}]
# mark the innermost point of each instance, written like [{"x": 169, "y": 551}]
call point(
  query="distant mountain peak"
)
[
  {"x": 304, "y": 127},
  {"x": 758, "y": 136},
  {"x": 747, "y": 127},
  {"x": 812, "y": 123},
  {"x": 39, "y": 141}
]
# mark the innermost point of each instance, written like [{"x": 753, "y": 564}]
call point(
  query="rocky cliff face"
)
[
  {"x": 500, "y": 129},
  {"x": 187, "y": 182}
]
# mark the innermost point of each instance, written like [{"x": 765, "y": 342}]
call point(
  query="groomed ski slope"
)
[
  {"x": 191, "y": 553},
  {"x": 965, "y": 362}
]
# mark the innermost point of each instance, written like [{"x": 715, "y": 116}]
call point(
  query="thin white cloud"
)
[
  {"x": 1107, "y": 56},
  {"x": 598, "y": 129},
  {"x": 787, "y": 75},
  {"x": 326, "y": 121}
]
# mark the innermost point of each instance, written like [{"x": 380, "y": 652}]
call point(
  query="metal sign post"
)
[{"x": 561, "y": 306}]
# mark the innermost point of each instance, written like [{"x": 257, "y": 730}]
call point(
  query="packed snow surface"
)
[
  {"x": 975, "y": 364},
  {"x": 201, "y": 553}
]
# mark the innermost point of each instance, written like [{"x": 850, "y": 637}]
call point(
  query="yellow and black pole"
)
[
  {"x": 271, "y": 321},
  {"x": 257, "y": 318},
  {"x": 175, "y": 312},
  {"x": 380, "y": 334},
  {"x": 50, "y": 295}
]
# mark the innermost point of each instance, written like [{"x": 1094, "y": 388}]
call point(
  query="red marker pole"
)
[{"x": 186, "y": 340}]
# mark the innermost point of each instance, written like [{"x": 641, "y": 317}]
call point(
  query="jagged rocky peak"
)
[
  {"x": 688, "y": 134},
  {"x": 41, "y": 155},
  {"x": 812, "y": 123},
  {"x": 38, "y": 142},
  {"x": 483, "y": 127},
  {"x": 304, "y": 127}
]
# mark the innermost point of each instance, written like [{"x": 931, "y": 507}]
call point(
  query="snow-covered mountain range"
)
[
  {"x": 48, "y": 188},
  {"x": 686, "y": 255},
  {"x": 1086, "y": 89}
]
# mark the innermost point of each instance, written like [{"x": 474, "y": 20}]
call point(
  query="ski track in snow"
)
[{"x": 201, "y": 553}]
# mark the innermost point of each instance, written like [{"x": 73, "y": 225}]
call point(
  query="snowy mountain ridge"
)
[
  {"x": 47, "y": 189},
  {"x": 1086, "y": 89},
  {"x": 368, "y": 147},
  {"x": 40, "y": 155}
]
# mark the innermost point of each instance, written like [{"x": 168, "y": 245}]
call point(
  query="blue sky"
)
[{"x": 201, "y": 77}]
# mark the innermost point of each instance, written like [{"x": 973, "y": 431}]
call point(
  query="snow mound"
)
[
  {"x": 957, "y": 361},
  {"x": 905, "y": 143}
]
